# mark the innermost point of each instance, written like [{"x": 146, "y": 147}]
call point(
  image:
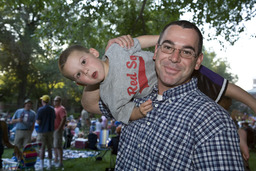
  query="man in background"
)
[
  {"x": 24, "y": 119},
  {"x": 85, "y": 122},
  {"x": 61, "y": 115},
  {"x": 45, "y": 119}
]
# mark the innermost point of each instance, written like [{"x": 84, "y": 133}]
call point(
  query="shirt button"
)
[
  {"x": 170, "y": 101},
  {"x": 148, "y": 123},
  {"x": 156, "y": 105},
  {"x": 138, "y": 145},
  {"x": 135, "y": 169}
]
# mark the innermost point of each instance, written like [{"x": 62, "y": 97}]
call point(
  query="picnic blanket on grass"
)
[{"x": 12, "y": 164}]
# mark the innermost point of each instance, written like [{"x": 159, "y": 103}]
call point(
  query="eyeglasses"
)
[{"x": 184, "y": 53}]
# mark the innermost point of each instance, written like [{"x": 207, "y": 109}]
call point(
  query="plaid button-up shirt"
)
[{"x": 186, "y": 130}]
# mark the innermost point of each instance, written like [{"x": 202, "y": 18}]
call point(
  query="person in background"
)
[
  {"x": 4, "y": 141},
  {"x": 60, "y": 120},
  {"x": 104, "y": 122},
  {"x": 68, "y": 136},
  {"x": 115, "y": 140},
  {"x": 88, "y": 127},
  {"x": 98, "y": 127},
  {"x": 244, "y": 148},
  {"x": 85, "y": 122},
  {"x": 226, "y": 102},
  {"x": 24, "y": 119},
  {"x": 45, "y": 120}
]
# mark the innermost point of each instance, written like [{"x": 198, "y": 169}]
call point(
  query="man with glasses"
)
[
  {"x": 59, "y": 124},
  {"x": 185, "y": 130}
]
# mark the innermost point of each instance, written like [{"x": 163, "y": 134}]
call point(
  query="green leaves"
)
[
  {"x": 218, "y": 65},
  {"x": 34, "y": 32}
]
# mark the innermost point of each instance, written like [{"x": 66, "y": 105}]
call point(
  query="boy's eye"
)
[
  {"x": 78, "y": 75},
  {"x": 83, "y": 62}
]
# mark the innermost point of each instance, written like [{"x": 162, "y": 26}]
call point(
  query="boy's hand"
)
[
  {"x": 123, "y": 41},
  {"x": 146, "y": 107}
]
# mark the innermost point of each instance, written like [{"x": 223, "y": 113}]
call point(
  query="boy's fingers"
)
[
  {"x": 147, "y": 108},
  {"x": 123, "y": 41},
  {"x": 127, "y": 41},
  {"x": 115, "y": 40},
  {"x": 129, "y": 38}
]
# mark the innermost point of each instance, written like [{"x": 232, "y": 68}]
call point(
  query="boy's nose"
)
[{"x": 86, "y": 71}]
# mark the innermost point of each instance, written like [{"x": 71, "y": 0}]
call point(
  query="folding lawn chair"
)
[{"x": 30, "y": 153}]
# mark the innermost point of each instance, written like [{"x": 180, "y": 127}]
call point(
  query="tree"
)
[
  {"x": 33, "y": 32},
  {"x": 28, "y": 68},
  {"x": 218, "y": 65},
  {"x": 221, "y": 66}
]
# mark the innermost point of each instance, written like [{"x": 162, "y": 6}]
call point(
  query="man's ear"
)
[
  {"x": 94, "y": 52},
  {"x": 156, "y": 48},
  {"x": 199, "y": 61}
]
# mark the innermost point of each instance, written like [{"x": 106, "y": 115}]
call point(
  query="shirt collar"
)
[{"x": 177, "y": 92}]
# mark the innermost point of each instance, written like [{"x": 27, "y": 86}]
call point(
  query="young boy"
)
[
  {"x": 84, "y": 67},
  {"x": 125, "y": 74}
]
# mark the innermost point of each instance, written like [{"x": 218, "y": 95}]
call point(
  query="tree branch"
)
[{"x": 140, "y": 16}]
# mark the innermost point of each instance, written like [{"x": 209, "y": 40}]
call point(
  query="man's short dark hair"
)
[{"x": 185, "y": 24}]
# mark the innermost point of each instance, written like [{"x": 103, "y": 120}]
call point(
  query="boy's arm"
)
[
  {"x": 127, "y": 41},
  {"x": 214, "y": 85},
  {"x": 136, "y": 114},
  {"x": 148, "y": 40},
  {"x": 90, "y": 99},
  {"x": 235, "y": 92}
]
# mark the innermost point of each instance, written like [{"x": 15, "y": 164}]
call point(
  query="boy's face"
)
[{"x": 84, "y": 68}]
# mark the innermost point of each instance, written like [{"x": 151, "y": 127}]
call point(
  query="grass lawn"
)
[
  {"x": 252, "y": 160},
  {"x": 81, "y": 163},
  {"x": 93, "y": 165}
]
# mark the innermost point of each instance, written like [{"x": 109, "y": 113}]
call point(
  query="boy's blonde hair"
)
[{"x": 65, "y": 54}]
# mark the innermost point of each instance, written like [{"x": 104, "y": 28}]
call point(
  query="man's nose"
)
[{"x": 175, "y": 56}]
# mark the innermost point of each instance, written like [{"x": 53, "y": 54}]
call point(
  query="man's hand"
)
[
  {"x": 123, "y": 41},
  {"x": 146, "y": 107},
  {"x": 14, "y": 121}
]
